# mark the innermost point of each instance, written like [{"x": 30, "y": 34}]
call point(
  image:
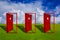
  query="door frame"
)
[
  {"x": 34, "y": 21},
  {"x": 54, "y": 22},
  {"x": 16, "y": 21}
]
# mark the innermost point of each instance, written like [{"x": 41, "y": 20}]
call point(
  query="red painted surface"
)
[
  {"x": 9, "y": 22},
  {"x": 46, "y": 22},
  {"x": 28, "y": 22}
]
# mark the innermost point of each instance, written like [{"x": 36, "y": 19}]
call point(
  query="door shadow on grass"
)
[
  {"x": 21, "y": 27},
  {"x": 3, "y": 27},
  {"x": 40, "y": 27}
]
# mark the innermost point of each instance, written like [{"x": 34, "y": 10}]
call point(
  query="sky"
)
[{"x": 35, "y": 6}]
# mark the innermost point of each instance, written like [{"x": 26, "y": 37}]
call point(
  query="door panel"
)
[
  {"x": 46, "y": 22},
  {"x": 9, "y": 22},
  {"x": 28, "y": 22}
]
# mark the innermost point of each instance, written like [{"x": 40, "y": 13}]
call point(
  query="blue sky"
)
[{"x": 22, "y": 6}]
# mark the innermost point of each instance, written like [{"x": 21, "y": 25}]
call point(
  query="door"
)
[
  {"x": 46, "y": 22},
  {"x": 9, "y": 22},
  {"x": 28, "y": 22}
]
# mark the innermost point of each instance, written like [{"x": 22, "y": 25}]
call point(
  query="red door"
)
[
  {"x": 9, "y": 22},
  {"x": 28, "y": 22},
  {"x": 46, "y": 22}
]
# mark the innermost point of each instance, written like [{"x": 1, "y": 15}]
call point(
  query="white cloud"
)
[
  {"x": 57, "y": 10},
  {"x": 40, "y": 16},
  {"x": 21, "y": 9},
  {"x": 58, "y": 19},
  {"x": 0, "y": 19},
  {"x": 41, "y": 12}
]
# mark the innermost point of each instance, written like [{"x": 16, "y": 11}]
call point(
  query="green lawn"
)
[{"x": 21, "y": 35}]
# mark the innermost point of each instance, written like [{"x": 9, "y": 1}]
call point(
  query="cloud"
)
[
  {"x": 21, "y": 9},
  {"x": 40, "y": 16},
  {"x": 58, "y": 19},
  {"x": 0, "y": 19},
  {"x": 57, "y": 9}
]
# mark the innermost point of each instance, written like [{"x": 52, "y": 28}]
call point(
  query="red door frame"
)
[
  {"x": 16, "y": 22},
  {"x": 53, "y": 21},
  {"x": 34, "y": 21}
]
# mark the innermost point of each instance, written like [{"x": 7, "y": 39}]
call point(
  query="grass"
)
[{"x": 21, "y": 35}]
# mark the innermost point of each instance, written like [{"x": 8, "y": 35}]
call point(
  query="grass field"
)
[{"x": 21, "y": 35}]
